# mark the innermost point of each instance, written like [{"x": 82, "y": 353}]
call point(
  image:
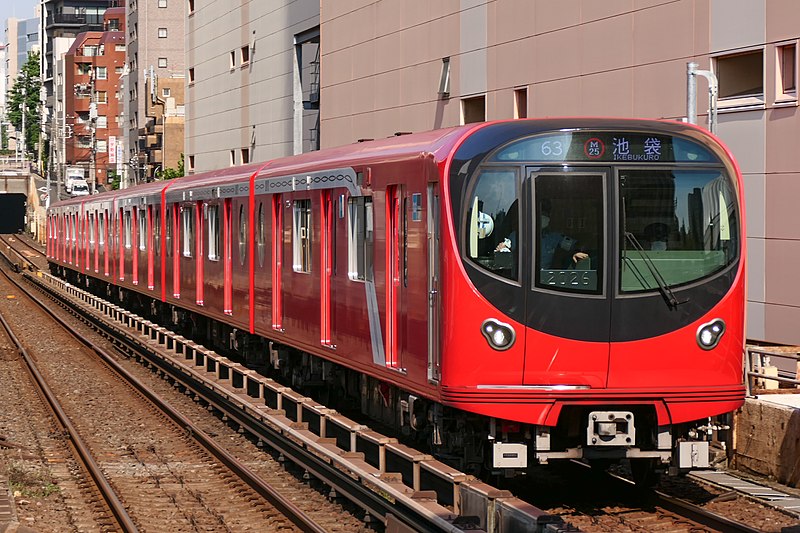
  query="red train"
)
[{"x": 513, "y": 292}]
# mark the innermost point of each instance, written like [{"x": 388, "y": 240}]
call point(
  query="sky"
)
[{"x": 21, "y": 9}]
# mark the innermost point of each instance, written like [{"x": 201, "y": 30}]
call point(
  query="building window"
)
[
  {"x": 473, "y": 109},
  {"x": 102, "y": 122},
  {"x": 166, "y": 92},
  {"x": 787, "y": 72},
  {"x": 162, "y": 62},
  {"x": 213, "y": 232},
  {"x": 245, "y": 53},
  {"x": 191, "y": 75},
  {"x": 741, "y": 79},
  {"x": 162, "y": 33},
  {"x": 102, "y": 97},
  {"x": 102, "y": 146},
  {"x": 102, "y": 73},
  {"x": 191, "y": 6},
  {"x": 119, "y": 47},
  {"x": 162, "y": 3},
  {"x": 245, "y": 155},
  {"x": 233, "y": 59},
  {"x": 521, "y": 103},
  {"x": 83, "y": 68},
  {"x": 301, "y": 236},
  {"x": 232, "y": 160},
  {"x": 191, "y": 163},
  {"x": 118, "y": 70},
  {"x": 90, "y": 50},
  {"x": 359, "y": 238}
]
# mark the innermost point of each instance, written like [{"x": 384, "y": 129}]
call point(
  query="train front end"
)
[{"x": 593, "y": 292}]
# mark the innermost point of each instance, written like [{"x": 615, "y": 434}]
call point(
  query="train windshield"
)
[
  {"x": 602, "y": 213},
  {"x": 679, "y": 224}
]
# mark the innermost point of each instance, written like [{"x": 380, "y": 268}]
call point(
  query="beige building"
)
[
  {"x": 162, "y": 133},
  {"x": 155, "y": 37},
  {"x": 387, "y": 66},
  {"x": 252, "y": 81}
]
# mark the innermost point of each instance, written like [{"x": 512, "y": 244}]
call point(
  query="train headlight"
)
[
  {"x": 709, "y": 334},
  {"x": 499, "y": 335}
]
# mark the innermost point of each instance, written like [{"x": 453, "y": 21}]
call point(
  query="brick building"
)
[{"x": 93, "y": 66}]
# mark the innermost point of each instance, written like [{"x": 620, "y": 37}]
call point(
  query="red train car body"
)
[{"x": 513, "y": 292}]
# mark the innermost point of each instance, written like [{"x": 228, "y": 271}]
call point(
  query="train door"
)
[
  {"x": 434, "y": 305},
  {"x": 227, "y": 257},
  {"x": 326, "y": 270},
  {"x": 277, "y": 256},
  {"x": 568, "y": 302},
  {"x": 394, "y": 222}
]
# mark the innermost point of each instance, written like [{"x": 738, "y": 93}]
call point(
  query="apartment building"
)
[
  {"x": 156, "y": 38},
  {"x": 92, "y": 67}
]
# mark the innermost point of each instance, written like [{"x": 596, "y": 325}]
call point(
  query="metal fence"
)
[{"x": 765, "y": 369}]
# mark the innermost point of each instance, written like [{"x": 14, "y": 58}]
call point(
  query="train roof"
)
[{"x": 436, "y": 143}]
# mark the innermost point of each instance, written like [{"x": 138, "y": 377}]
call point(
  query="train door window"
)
[
  {"x": 91, "y": 231},
  {"x": 188, "y": 230},
  {"x": 213, "y": 232},
  {"x": 156, "y": 231},
  {"x": 168, "y": 234},
  {"x": 569, "y": 223},
  {"x": 492, "y": 225},
  {"x": 360, "y": 238},
  {"x": 128, "y": 230},
  {"x": 260, "y": 234},
  {"x": 301, "y": 236},
  {"x": 101, "y": 234},
  {"x": 141, "y": 229},
  {"x": 242, "y": 235}
]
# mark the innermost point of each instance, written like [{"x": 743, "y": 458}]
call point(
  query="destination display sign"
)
[{"x": 605, "y": 147}]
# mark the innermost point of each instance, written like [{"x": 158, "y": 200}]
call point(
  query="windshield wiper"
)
[{"x": 663, "y": 286}]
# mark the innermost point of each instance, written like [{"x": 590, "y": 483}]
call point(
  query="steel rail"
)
[
  {"x": 83, "y": 453},
  {"x": 264, "y": 489}
]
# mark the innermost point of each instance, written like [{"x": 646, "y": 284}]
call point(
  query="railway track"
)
[
  {"x": 229, "y": 388},
  {"x": 161, "y": 477}
]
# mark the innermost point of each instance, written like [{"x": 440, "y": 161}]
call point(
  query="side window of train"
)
[
  {"x": 91, "y": 229},
  {"x": 127, "y": 223},
  {"x": 168, "y": 236},
  {"x": 213, "y": 232},
  {"x": 156, "y": 230},
  {"x": 301, "y": 236},
  {"x": 492, "y": 224},
  {"x": 141, "y": 229},
  {"x": 242, "y": 235},
  {"x": 101, "y": 238},
  {"x": 359, "y": 238},
  {"x": 261, "y": 234},
  {"x": 188, "y": 230}
]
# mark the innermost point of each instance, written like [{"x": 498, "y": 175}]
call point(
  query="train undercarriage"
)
[{"x": 472, "y": 443}]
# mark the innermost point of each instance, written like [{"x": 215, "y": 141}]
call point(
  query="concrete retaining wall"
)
[{"x": 768, "y": 441}]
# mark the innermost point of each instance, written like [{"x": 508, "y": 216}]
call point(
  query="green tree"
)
[
  {"x": 24, "y": 97},
  {"x": 170, "y": 173}
]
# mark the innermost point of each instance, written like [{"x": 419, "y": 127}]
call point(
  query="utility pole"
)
[
  {"x": 24, "y": 112},
  {"x": 93, "y": 128}
]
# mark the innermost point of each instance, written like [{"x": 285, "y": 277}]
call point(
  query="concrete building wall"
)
[
  {"x": 382, "y": 63},
  {"x": 155, "y": 33},
  {"x": 244, "y": 109}
]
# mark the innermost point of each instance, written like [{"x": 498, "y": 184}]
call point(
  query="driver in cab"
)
[{"x": 557, "y": 251}]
